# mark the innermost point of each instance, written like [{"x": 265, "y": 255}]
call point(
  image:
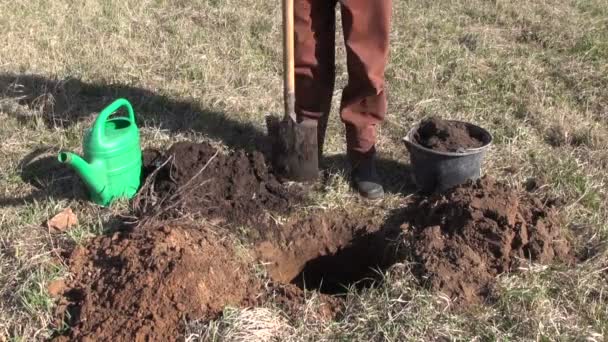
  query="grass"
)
[{"x": 533, "y": 72}]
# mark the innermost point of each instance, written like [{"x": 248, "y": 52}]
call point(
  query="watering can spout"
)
[{"x": 91, "y": 174}]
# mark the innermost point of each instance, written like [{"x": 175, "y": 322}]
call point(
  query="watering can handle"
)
[{"x": 99, "y": 126}]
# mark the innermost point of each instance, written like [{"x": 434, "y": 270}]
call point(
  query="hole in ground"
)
[{"x": 357, "y": 263}]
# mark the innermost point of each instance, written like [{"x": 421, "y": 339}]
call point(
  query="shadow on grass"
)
[
  {"x": 64, "y": 102},
  {"x": 49, "y": 178}
]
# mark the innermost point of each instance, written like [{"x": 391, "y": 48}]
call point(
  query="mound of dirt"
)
[
  {"x": 464, "y": 238},
  {"x": 446, "y": 136},
  {"x": 141, "y": 285},
  {"x": 238, "y": 186}
]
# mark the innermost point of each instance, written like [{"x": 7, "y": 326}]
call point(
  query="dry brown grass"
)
[{"x": 534, "y": 72}]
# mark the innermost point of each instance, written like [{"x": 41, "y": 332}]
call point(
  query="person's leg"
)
[
  {"x": 366, "y": 34},
  {"x": 315, "y": 25}
]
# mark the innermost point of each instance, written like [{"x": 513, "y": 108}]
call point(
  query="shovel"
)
[{"x": 294, "y": 144}]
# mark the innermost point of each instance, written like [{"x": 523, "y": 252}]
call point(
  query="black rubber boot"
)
[{"x": 365, "y": 177}]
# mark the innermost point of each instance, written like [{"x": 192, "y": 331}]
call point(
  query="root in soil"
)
[
  {"x": 446, "y": 136},
  {"x": 463, "y": 239}
]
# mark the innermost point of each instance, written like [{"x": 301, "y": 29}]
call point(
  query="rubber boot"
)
[{"x": 364, "y": 175}]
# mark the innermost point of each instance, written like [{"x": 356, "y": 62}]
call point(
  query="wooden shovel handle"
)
[{"x": 289, "y": 83}]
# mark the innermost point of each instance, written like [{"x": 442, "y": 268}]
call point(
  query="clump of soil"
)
[
  {"x": 464, "y": 238},
  {"x": 238, "y": 186},
  {"x": 142, "y": 284},
  {"x": 446, "y": 136},
  {"x": 329, "y": 252}
]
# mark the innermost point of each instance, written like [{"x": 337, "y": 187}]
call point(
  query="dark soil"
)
[
  {"x": 237, "y": 187},
  {"x": 446, "y": 136},
  {"x": 463, "y": 239}
]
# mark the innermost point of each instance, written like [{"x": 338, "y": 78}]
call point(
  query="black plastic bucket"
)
[{"x": 436, "y": 171}]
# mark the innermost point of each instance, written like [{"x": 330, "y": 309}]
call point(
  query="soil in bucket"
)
[
  {"x": 194, "y": 178},
  {"x": 461, "y": 240},
  {"x": 446, "y": 136}
]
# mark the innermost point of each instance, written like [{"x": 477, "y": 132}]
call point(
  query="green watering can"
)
[{"x": 112, "y": 163}]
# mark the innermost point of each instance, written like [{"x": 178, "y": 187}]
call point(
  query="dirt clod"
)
[
  {"x": 463, "y": 239},
  {"x": 56, "y": 287},
  {"x": 446, "y": 136},
  {"x": 62, "y": 222}
]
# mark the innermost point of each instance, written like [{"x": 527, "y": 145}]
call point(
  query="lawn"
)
[{"x": 535, "y": 73}]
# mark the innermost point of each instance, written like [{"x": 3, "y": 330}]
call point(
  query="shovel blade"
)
[{"x": 294, "y": 148}]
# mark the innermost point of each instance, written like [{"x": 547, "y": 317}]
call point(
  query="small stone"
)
[{"x": 62, "y": 222}]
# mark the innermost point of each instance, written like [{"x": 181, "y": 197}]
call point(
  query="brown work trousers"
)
[{"x": 366, "y": 25}]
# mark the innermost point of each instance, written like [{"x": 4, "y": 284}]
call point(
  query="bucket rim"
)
[{"x": 408, "y": 139}]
